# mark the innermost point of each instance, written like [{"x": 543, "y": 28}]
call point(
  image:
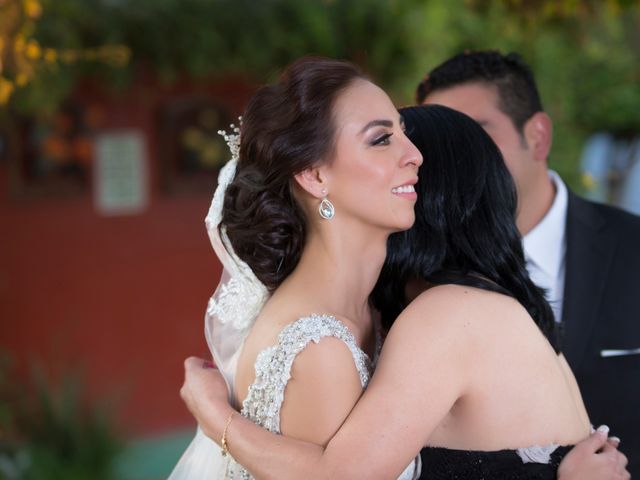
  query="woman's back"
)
[
  {"x": 517, "y": 392},
  {"x": 487, "y": 374}
]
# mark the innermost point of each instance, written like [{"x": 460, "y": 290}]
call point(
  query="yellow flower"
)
[
  {"x": 22, "y": 79},
  {"x": 6, "y": 89},
  {"x": 33, "y": 50},
  {"x": 32, "y": 8},
  {"x": 50, "y": 55}
]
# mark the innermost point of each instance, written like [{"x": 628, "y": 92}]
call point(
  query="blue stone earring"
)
[{"x": 326, "y": 208}]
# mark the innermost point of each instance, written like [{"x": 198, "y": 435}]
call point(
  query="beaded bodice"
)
[
  {"x": 273, "y": 370},
  {"x": 273, "y": 366}
]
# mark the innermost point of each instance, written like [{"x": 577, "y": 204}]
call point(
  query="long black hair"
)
[{"x": 465, "y": 231}]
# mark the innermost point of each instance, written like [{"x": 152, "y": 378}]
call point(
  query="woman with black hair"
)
[
  {"x": 470, "y": 366},
  {"x": 464, "y": 231}
]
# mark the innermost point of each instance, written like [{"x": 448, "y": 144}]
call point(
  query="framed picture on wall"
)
[{"x": 52, "y": 154}]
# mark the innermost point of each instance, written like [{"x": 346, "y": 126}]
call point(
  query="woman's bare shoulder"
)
[
  {"x": 457, "y": 309},
  {"x": 446, "y": 302}
]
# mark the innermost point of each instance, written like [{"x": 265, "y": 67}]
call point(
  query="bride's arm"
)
[{"x": 388, "y": 426}]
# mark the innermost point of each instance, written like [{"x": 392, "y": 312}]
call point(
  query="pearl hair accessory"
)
[{"x": 233, "y": 139}]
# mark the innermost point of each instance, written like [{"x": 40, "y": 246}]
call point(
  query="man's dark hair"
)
[{"x": 518, "y": 95}]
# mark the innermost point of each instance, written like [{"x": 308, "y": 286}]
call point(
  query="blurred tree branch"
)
[
  {"x": 24, "y": 59},
  {"x": 585, "y": 53}
]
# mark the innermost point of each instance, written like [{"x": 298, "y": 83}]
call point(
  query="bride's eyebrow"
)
[{"x": 376, "y": 123}]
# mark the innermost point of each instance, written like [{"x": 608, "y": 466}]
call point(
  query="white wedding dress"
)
[{"x": 203, "y": 460}]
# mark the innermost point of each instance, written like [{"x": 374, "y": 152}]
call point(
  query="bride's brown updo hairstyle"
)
[{"x": 286, "y": 128}]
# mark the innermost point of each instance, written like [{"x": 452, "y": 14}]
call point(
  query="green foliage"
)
[
  {"x": 585, "y": 53},
  {"x": 51, "y": 434},
  {"x": 219, "y": 37}
]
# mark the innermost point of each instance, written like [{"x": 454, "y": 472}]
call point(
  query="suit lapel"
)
[{"x": 590, "y": 250}]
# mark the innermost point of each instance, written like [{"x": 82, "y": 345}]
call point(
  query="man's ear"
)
[
  {"x": 313, "y": 181},
  {"x": 538, "y": 132}
]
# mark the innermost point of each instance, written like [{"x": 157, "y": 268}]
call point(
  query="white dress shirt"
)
[{"x": 545, "y": 248}]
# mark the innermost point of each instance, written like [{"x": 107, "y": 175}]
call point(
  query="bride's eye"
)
[{"x": 382, "y": 140}]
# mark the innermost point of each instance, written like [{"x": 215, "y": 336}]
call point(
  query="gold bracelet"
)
[{"x": 223, "y": 441}]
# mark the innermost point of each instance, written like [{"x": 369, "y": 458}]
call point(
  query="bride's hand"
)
[
  {"x": 595, "y": 458},
  {"x": 204, "y": 391}
]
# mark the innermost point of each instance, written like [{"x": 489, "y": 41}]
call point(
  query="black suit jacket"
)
[{"x": 601, "y": 311}]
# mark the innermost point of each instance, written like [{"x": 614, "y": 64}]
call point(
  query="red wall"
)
[{"x": 120, "y": 299}]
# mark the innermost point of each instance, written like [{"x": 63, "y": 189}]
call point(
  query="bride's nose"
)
[{"x": 412, "y": 155}]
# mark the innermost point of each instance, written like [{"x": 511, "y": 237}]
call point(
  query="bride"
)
[
  {"x": 466, "y": 369},
  {"x": 322, "y": 175}
]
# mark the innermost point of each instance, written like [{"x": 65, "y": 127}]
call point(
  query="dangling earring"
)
[{"x": 326, "y": 208}]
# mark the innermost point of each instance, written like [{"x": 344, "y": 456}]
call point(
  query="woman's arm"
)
[
  {"x": 274, "y": 456},
  {"x": 388, "y": 426},
  {"x": 205, "y": 394}
]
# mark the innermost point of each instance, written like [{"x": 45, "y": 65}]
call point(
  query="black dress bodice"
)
[{"x": 444, "y": 463}]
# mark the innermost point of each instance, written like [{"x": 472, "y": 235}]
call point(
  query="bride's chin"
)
[{"x": 407, "y": 222}]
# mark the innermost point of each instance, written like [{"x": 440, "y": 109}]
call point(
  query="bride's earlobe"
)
[{"x": 311, "y": 181}]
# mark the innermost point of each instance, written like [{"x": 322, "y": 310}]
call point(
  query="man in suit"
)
[{"x": 586, "y": 255}]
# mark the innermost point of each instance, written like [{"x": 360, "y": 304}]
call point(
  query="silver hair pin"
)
[{"x": 233, "y": 139}]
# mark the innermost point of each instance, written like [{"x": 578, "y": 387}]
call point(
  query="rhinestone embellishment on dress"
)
[{"x": 273, "y": 371}]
